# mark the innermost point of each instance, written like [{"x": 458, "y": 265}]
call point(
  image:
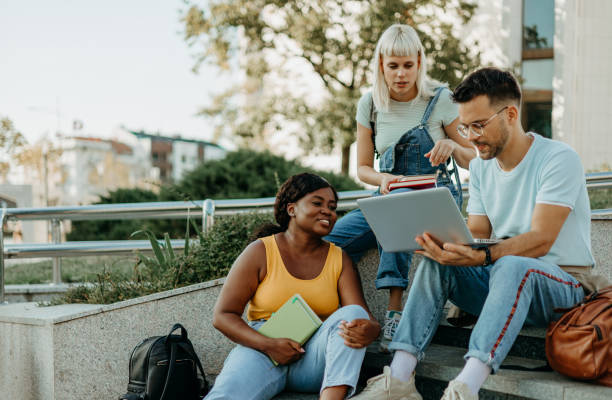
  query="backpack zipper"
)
[{"x": 165, "y": 362}]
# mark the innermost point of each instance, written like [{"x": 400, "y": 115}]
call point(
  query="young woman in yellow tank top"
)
[{"x": 290, "y": 258}]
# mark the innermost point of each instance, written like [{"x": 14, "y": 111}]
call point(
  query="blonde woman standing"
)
[{"x": 410, "y": 120}]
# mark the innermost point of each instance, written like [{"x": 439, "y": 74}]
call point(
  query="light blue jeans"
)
[
  {"x": 505, "y": 295},
  {"x": 249, "y": 374},
  {"x": 353, "y": 234}
]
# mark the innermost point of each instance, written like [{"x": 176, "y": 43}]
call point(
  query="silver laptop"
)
[{"x": 397, "y": 219}]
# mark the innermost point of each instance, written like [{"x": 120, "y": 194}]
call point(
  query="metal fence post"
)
[
  {"x": 208, "y": 215},
  {"x": 56, "y": 237},
  {"x": 2, "y": 218}
]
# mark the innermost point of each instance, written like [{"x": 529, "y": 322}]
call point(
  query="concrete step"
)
[
  {"x": 529, "y": 344},
  {"x": 443, "y": 363}
]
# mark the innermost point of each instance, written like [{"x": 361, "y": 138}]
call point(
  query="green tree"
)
[
  {"x": 11, "y": 143},
  {"x": 113, "y": 230},
  {"x": 282, "y": 45},
  {"x": 244, "y": 174},
  {"x": 241, "y": 174}
]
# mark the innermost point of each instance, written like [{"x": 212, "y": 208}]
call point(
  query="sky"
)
[{"x": 107, "y": 63}]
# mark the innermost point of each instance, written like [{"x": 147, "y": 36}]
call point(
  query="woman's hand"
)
[
  {"x": 359, "y": 332},
  {"x": 386, "y": 180},
  {"x": 284, "y": 351},
  {"x": 441, "y": 151}
]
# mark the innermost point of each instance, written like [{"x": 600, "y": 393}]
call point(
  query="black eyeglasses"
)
[{"x": 477, "y": 128}]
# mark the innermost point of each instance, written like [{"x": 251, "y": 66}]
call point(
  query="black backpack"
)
[{"x": 166, "y": 368}]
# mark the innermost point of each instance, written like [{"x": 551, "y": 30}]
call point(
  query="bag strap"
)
[
  {"x": 175, "y": 327},
  {"x": 170, "y": 369},
  {"x": 373, "y": 116},
  {"x": 171, "y": 364},
  {"x": 200, "y": 368}
]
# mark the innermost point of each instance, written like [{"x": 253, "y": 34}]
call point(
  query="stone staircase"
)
[{"x": 444, "y": 358}]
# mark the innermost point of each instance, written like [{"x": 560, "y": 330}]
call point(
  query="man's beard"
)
[{"x": 494, "y": 148}]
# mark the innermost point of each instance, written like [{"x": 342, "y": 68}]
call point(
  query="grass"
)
[{"x": 74, "y": 269}]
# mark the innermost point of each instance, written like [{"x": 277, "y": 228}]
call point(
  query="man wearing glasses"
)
[{"x": 524, "y": 187}]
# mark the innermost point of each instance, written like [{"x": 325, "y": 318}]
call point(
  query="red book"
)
[{"x": 414, "y": 182}]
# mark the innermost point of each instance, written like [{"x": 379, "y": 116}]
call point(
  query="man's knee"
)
[
  {"x": 510, "y": 266},
  {"x": 512, "y": 271},
  {"x": 429, "y": 269}
]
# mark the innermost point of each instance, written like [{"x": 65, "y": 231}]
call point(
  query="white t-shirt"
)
[
  {"x": 550, "y": 173},
  {"x": 405, "y": 115}
]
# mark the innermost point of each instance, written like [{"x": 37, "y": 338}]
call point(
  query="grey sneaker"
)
[
  {"x": 386, "y": 387},
  {"x": 458, "y": 390},
  {"x": 392, "y": 320}
]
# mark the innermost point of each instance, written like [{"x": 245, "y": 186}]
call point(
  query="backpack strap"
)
[
  {"x": 171, "y": 365},
  {"x": 184, "y": 339},
  {"x": 204, "y": 388},
  {"x": 373, "y": 116}
]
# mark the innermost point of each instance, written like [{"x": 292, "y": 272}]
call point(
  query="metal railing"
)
[{"x": 204, "y": 209}]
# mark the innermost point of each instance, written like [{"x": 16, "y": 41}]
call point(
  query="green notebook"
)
[{"x": 295, "y": 320}]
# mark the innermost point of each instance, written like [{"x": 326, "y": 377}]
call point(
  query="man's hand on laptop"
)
[{"x": 449, "y": 253}]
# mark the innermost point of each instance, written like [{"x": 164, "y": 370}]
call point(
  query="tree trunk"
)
[{"x": 346, "y": 158}]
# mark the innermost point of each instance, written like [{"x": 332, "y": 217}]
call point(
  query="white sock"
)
[
  {"x": 403, "y": 365},
  {"x": 474, "y": 374}
]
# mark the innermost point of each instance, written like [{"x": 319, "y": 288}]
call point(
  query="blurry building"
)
[
  {"x": 91, "y": 167},
  {"x": 173, "y": 156},
  {"x": 561, "y": 49}
]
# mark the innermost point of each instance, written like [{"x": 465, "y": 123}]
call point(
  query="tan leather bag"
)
[{"x": 579, "y": 344}]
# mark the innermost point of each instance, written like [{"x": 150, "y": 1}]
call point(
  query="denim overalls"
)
[{"x": 405, "y": 157}]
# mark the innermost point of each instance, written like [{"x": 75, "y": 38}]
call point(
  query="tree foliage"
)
[
  {"x": 241, "y": 174},
  {"x": 11, "y": 143},
  {"x": 307, "y": 62},
  {"x": 113, "y": 230}
]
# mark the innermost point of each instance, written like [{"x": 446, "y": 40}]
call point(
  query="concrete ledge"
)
[{"x": 81, "y": 351}]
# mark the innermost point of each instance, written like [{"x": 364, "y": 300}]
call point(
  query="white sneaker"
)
[
  {"x": 458, "y": 390},
  {"x": 392, "y": 320},
  {"x": 386, "y": 387}
]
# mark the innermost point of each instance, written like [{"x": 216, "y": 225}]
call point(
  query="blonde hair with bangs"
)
[{"x": 400, "y": 41}]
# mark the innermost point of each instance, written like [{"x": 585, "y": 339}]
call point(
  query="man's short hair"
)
[{"x": 499, "y": 86}]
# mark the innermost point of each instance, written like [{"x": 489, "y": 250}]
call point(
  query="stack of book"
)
[{"x": 414, "y": 182}]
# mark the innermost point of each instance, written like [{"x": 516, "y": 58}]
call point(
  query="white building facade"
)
[
  {"x": 173, "y": 156},
  {"x": 562, "y": 50}
]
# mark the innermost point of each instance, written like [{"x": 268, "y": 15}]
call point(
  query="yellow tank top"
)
[{"x": 321, "y": 293}]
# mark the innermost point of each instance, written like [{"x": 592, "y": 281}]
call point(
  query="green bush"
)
[
  {"x": 244, "y": 174},
  {"x": 209, "y": 258},
  {"x": 113, "y": 230},
  {"x": 600, "y": 198},
  {"x": 241, "y": 174}
]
